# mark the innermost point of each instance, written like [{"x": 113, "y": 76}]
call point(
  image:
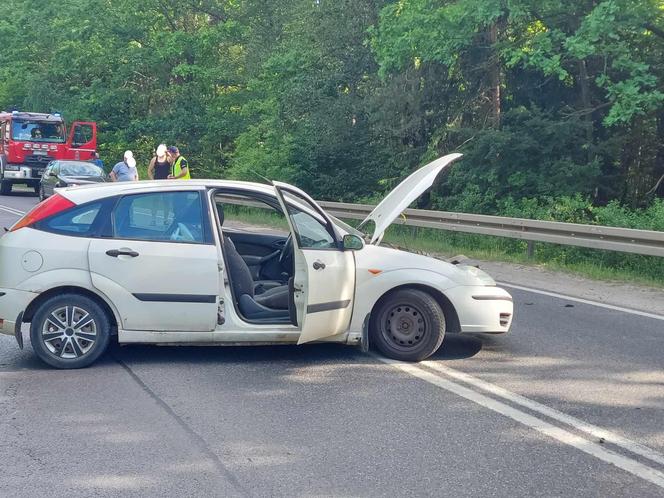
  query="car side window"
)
[
  {"x": 160, "y": 216},
  {"x": 311, "y": 229},
  {"x": 76, "y": 221}
]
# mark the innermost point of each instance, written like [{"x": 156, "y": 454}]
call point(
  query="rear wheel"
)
[
  {"x": 408, "y": 325},
  {"x": 69, "y": 331},
  {"x": 5, "y": 187}
]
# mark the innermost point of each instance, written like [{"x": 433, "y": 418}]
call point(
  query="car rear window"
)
[{"x": 80, "y": 220}]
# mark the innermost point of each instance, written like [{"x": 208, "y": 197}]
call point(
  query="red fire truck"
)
[{"x": 30, "y": 140}]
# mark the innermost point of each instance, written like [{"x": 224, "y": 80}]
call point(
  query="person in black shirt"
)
[{"x": 159, "y": 167}]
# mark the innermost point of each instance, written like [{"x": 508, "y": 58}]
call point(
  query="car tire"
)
[
  {"x": 5, "y": 187},
  {"x": 69, "y": 331},
  {"x": 37, "y": 189},
  {"x": 41, "y": 193},
  {"x": 407, "y": 325}
]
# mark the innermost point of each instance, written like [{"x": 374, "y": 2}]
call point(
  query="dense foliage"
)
[{"x": 549, "y": 100}]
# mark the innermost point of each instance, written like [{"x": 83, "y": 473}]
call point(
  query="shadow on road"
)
[
  {"x": 19, "y": 193},
  {"x": 315, "y": 353},
  {"x": 454, "y": 348},
  {"x": 458, "y": 347}
]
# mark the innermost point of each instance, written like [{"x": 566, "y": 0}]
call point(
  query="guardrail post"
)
[{"x": 530, "y": 251}]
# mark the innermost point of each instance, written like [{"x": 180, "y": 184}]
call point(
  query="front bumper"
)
[
  {"x": 23, "y": 173},
  {"x": 482, "y": 309},
  {"x": 12, "y": 304}
]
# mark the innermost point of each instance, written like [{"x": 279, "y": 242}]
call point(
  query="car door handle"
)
[
  {"x": 318, "y": 265},
  {"x": 121, "y": 252}
]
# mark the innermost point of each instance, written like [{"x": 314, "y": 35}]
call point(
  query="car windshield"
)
[
  {"x": 38, "y": 131},
  {"x": 80, "y": 169}
]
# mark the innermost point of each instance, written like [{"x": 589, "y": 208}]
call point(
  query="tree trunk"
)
[
  {"x": 494, "y": 75},
  {"x": 585, "y": 103},
  {"x": 659, "y": 158}
]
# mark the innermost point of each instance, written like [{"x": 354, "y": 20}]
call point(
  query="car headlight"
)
[{"x": 481, "y": 276}]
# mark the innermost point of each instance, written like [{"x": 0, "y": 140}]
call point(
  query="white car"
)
[{"x": 203, "y": 262}]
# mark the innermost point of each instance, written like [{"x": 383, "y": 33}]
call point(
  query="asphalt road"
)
[{"x": 570, "y": 403}]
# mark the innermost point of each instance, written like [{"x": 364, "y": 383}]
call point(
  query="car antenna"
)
[{"x": 267, "y": 180}]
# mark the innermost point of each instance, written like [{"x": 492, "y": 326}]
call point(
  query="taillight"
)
[{"x": 49, "y": 207}]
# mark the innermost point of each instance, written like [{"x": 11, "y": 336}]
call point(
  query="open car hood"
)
[{"x": 406, "y": 192}]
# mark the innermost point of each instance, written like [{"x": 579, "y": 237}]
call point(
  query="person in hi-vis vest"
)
[{"x": 179, "y": 165}]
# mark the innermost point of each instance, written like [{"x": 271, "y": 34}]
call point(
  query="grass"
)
[{"x": 255, "y": 216}]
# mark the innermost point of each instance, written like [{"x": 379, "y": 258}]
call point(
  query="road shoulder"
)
[{"x": 637, "y": 297}]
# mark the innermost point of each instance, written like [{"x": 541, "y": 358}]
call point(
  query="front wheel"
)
[
  {"x": 408, "y": 325},
  {"x": 5, "y": 187},
  {"x": 69, "y": 331}
]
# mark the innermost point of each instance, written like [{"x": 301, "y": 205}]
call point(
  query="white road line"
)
[
  {"x": 584, "y": 301},
  {"x": 12, "y": 210},
  {"x": 580, "y": 425},
  {"x": 594, "y": 449}
]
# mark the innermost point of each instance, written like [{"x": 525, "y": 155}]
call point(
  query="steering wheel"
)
[
  {"x": 181, "y": 232},
  {"x": 286, "y": 254}
]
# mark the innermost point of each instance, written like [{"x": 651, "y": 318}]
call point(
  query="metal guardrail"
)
[{"x": 646, "y": 242}]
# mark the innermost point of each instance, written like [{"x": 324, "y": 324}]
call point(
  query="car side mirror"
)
[{"x": 352, "y": 242}]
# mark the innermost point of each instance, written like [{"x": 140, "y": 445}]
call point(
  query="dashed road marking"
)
[{"x": 12, "y": 210}]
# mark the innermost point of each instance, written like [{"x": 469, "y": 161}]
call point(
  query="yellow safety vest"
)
[{"x": 177, "y": 169}]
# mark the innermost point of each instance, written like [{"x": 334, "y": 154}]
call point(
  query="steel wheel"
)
[
  {"x": 69, "y": 332},
  {"x": 407, "y": 324},
  {"x": 404, "y": 326}
]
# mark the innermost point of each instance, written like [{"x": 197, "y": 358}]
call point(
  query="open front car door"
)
[
  {"x": 324, "y": 281},
  {"x": 82, "y": 140}
]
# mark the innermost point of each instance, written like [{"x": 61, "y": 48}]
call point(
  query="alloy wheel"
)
[{"x": 69, "y": 332}]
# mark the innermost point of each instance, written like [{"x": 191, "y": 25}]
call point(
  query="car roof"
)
[
  {"x": 35, "y": 116},
  {"x": 87, "y": 193},
  {"x": 73, "y": 161}
]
